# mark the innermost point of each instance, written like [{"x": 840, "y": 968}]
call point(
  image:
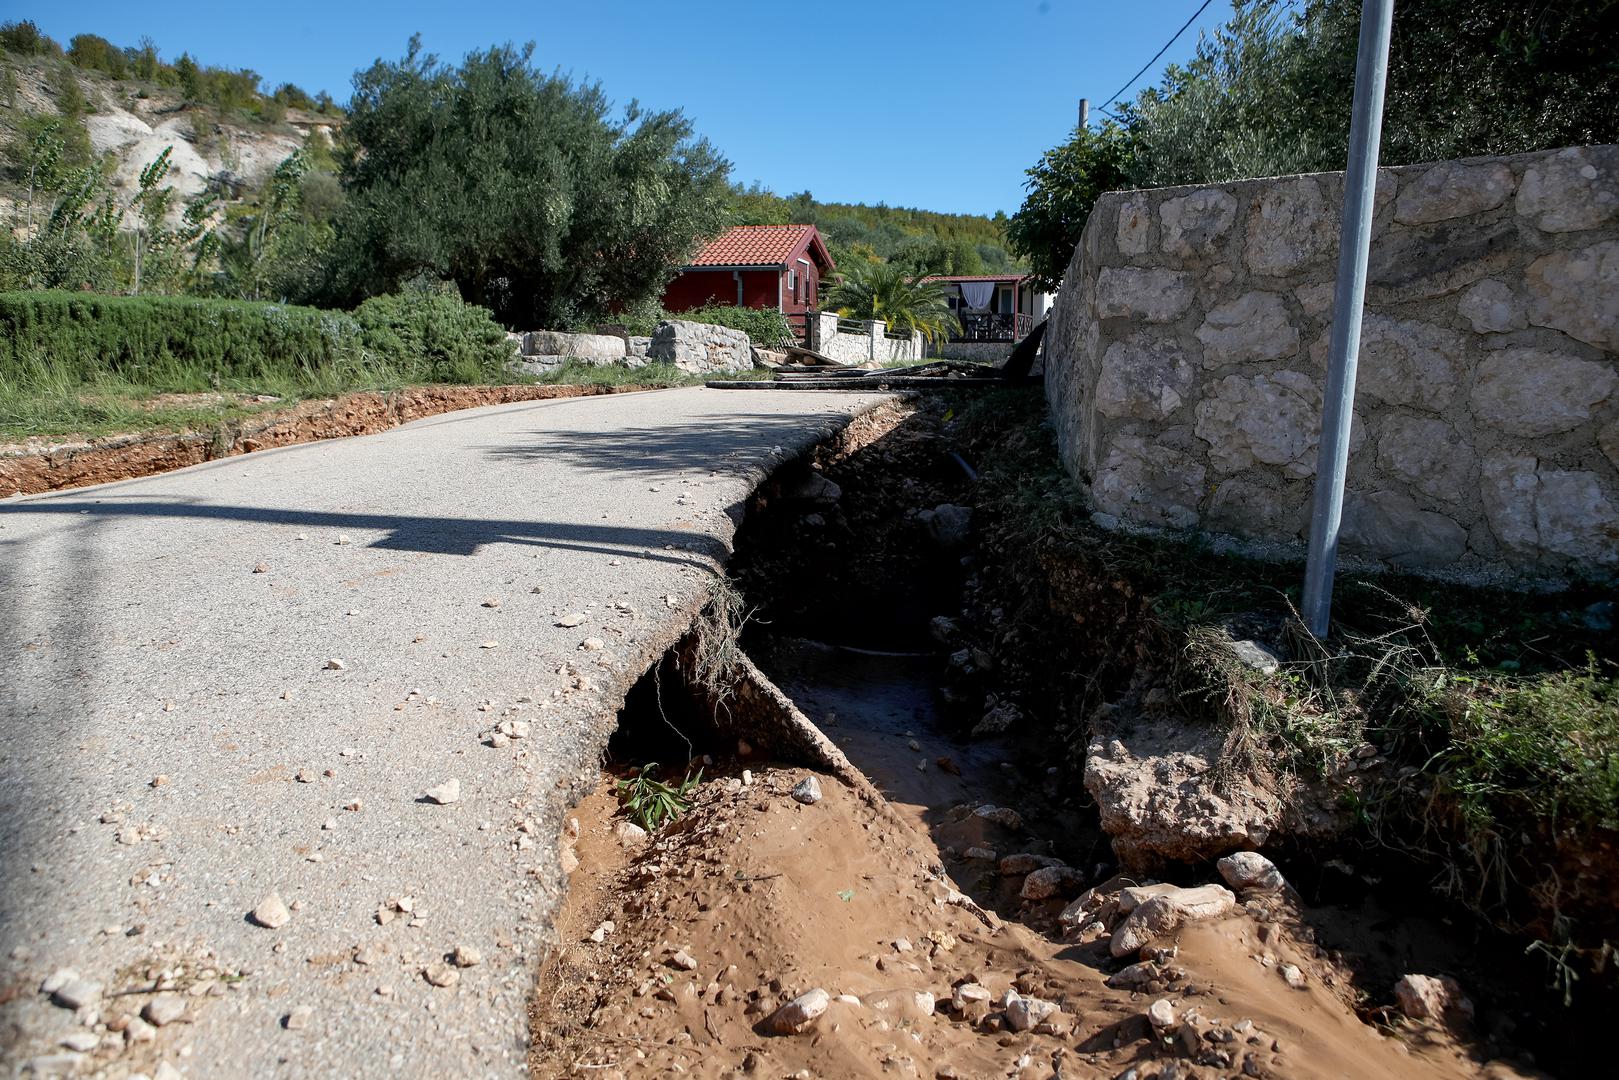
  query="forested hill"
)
[{"x": 944, "y": 243}]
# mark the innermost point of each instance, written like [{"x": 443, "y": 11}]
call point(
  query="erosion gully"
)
[{"x": 676, "y": 951}]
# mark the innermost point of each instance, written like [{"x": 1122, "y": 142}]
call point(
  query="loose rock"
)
[
  {"x": 1251, "y": 870},
  {"x": 441, "y": 975},
  {"x": 271, "y": 913},
  {"x": 1023, "y": 1013},
  {"x": 1026, "y": 863},
  {"x": 163, "y": 1010},
  {"x": 298, "y": 1018},
  {"x": 808, "y": 791},
  {"x": 629, "y": 833},
  {"x": 465, "y": 956},
  {"x": 1424, "y": 997},
  {"x": 1000, "y": 815},
  {"x": 445, "y": 793},
  {"x": 76, "y": 993},
  {"x": 81, "y": 1042},
  {"x": 1052, "y": 881},
  {"x": 798, "y": 1013},
  {"x": 1166, "y": 913}
]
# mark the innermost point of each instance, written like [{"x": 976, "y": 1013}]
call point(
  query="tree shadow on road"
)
[
  {"x": 414, "y": 532},
  {"x": 728, "y": 445}
]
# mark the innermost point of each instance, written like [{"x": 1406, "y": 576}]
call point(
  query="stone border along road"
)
[{"x": 240, "y": 680}]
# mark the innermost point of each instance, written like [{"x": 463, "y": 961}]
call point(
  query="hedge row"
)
[
  {"x": 765, "y": 328},
  {"x": 157, "y": 339}
]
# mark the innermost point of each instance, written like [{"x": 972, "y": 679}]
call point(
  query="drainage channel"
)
[{"x": 872, "y": 870}]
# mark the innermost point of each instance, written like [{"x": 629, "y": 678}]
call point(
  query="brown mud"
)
[
  {"x": 29, "y": 468},
  {"x": 892, "y": 904}
]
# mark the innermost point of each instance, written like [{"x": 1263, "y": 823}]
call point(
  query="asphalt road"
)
[{"x": 174, "y": 746}]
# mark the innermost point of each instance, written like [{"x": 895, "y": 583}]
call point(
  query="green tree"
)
[
  {"x": 890, "y": 292},
  {"x": 519, "y": 187},
  {"x": 95, "y": 53},
  {"x": 1268, "y": 93},
  {"x": 257, "y": 264},
  {"x": 145, "y": 60},
  {"x": 166, "y": 256},
  {"x": 1062, "y": 188},
  {"x": 24, "y": 38},
  {"x": 190, "y": 78}
]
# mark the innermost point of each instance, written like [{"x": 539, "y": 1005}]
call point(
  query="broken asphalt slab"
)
[{"x": 244, "y": 710}]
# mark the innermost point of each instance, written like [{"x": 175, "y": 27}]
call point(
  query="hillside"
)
[
  {"x": 944, "y": 243},
  {"x": 225, "y": 133}
]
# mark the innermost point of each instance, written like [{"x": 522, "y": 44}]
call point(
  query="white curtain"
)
[{"x": 978, "y": 294}]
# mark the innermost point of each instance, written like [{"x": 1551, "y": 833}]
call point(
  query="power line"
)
[{"x": 1156, "y": 55}]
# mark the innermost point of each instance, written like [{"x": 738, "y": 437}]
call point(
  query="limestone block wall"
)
[
  {"x": 1187, "y": 352},
  {"x": 698, "y": 348}
]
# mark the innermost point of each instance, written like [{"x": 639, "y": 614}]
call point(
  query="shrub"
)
[
  {"x": 439, "y": 337},
  {"x": 765, "y": 328},
  {"x": 177, "y": 342},
  {"x": 158, "y": 340}
]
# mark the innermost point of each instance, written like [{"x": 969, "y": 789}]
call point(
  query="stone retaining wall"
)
[{"x": 1187, "y": 352}]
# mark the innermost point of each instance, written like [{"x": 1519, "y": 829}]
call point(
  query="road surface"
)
[{"x": 241, "y": 678}]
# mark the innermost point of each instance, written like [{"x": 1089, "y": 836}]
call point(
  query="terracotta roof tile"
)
[{"x": 753, "y": 245}]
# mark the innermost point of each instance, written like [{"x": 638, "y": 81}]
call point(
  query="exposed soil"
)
[
  {"x": 771, "y": 898},
  {"x": 27, "y": 468},
  {"x": 891, "y": 900}
]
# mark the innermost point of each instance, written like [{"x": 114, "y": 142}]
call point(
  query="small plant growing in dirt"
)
[{"x": 653, "y": 803}]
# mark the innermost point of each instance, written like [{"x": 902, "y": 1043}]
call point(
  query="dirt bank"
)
[
  {"x": 974, "y": 920},
  {"x": 678, "y": 950},
  {"x": 27, "y": 469}
]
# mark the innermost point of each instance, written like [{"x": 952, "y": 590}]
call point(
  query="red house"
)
[{"x": 756, "y": 266}]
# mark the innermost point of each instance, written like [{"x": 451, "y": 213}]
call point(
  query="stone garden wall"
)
[
  {"x": 871, "y": 345},
  {"x": 1187, "y": 352}
]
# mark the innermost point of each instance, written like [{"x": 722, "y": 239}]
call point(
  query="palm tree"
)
[{"x": 875, "y": 290}]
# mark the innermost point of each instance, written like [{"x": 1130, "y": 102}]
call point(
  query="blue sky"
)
[{"x": 940, "y": 104}]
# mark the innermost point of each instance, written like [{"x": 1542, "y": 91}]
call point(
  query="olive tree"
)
[{"x": 522, "y": 188}]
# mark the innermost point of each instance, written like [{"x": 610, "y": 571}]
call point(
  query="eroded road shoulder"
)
[{"x": 255, "y": 818}]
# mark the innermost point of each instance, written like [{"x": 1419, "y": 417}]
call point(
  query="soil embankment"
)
[
  {"x": 973, "y": 920},
  {"x": 30, "y": 468}
]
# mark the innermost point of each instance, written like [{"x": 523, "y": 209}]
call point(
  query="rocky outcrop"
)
[
  {"x": 699, "y": 348},
  {"x": 1188, "y": 347}
]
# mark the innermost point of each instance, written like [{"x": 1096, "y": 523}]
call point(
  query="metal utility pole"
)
[
  {"x": 1354, "y": 244},
  {"x": 1084, "y": 112}
]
